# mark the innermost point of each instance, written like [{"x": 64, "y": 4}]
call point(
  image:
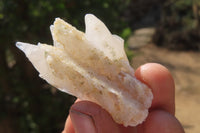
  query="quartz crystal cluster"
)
[{"x": 92, "y": 66}]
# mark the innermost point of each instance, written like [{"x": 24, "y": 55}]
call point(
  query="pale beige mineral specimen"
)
[{"x": 92, "y": 66}]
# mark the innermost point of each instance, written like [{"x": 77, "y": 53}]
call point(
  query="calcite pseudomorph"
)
[{"x": 92, "y": 66}]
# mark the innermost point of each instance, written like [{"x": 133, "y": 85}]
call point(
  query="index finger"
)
[{"x": 159, "y": 79}]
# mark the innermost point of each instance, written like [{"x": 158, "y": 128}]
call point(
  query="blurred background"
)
[{"x": 166, "y": 32}]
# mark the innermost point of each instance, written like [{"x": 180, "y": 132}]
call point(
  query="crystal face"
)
[{"x": 92, "y": 66}]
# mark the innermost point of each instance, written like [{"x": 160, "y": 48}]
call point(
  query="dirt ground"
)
[{"x": 185, "y": 68}]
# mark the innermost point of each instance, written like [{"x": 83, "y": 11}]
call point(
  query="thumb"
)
[{"x": 87, "y": 117}]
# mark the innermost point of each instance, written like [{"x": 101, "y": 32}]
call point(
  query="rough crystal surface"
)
[{"x": 92, "y": 66}]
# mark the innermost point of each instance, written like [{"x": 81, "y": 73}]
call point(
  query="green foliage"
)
[
  {"x": 180, "y": 25},
  {"x": 125, "y": 34},
  {"x": 29, "y": 101}
]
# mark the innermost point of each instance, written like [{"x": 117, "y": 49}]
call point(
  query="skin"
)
[{"x": 88, "y": 117}]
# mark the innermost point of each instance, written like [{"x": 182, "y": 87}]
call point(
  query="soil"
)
[{"x": 185, "y": 68}]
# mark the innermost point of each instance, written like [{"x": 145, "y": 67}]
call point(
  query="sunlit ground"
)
[{"x": 185, "y": 68}]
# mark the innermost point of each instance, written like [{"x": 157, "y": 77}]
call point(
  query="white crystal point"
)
[
  {"x": 96, "y": 28},
  {"x": 39, "y": 57},
  {"x": 92, "y": 66},
  {"x": 33, "y": 52},
  {"x": 98, "y": 34}
]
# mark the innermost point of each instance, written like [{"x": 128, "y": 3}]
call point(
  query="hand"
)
[{"x": 88, "y": 117}]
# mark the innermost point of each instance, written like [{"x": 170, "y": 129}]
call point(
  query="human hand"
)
[{"x": 88, "y": 117}]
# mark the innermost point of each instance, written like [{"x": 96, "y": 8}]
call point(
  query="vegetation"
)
[
  {"x": 179, "y": 26},
  {"x": 29, "y": 104}
]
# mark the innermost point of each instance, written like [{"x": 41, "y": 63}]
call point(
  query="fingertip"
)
[
  {"x": 161, "y": 122},
  {"x": 101, "y": 119},
  {"x": 154, "y": 71},
  {"x": 82, "y": 123},
  {"x": 68, "y": 126},
  {"x": 160, "y": 80}
]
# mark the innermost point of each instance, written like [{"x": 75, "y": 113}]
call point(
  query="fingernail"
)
[{"x": 82, "y": 123}]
